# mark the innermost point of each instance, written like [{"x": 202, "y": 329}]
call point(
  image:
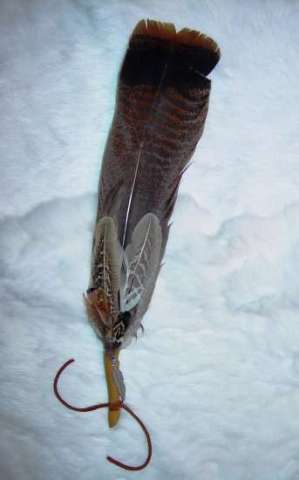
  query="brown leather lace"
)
[{"x": 103, "y": 405}]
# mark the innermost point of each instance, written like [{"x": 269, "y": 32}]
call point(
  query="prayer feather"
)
[
  {"x": 162, "y": 103},
  {"x": 161, "y": 108}
]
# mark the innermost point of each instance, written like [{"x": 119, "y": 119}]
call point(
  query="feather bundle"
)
[{"x": 161, "y": 108}]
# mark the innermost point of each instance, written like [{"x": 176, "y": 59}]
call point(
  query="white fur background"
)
[{"x": 216, "y": 374}]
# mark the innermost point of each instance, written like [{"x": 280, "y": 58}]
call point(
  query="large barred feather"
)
[
  {"x": 160, "y": 113},
  {"x": 162, "y": 103}
]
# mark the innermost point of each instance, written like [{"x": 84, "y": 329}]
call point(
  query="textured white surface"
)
[{"x": 216, "y": 375}]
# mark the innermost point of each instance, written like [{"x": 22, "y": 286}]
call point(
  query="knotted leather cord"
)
[{"x": 97, "y": 406}]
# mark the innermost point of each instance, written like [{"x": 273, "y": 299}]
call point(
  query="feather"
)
[
  {"x": 119, "y": 381},
  {"x": 142, "y": 260},
  {"x": 142, "y": 264},
  {"x": 161, "y": 108},
  {"x": 107, "y": 260},
  {"x": 160, "y": 112},
  {"x": 102, "y": 299}
]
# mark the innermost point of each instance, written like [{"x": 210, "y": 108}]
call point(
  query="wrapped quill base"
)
[{"x": 113, "y": 393}]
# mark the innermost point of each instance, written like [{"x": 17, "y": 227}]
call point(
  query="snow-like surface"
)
[{"x": 216, "y": 374}]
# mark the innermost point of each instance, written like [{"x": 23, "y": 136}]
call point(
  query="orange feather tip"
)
[
  {"x": 167, "y": 31},
  {"x": 153, "y": 28}
]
